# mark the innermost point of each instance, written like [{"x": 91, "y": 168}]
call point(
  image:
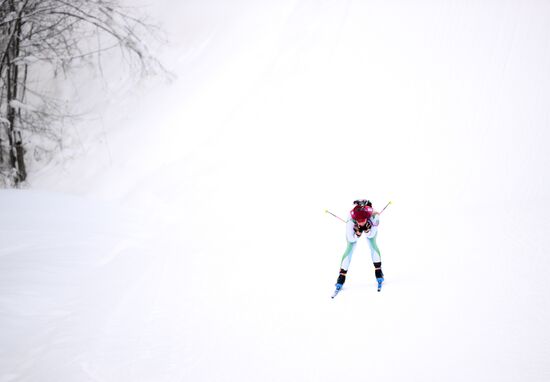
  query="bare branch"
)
[{"x": 63, "y": 33}]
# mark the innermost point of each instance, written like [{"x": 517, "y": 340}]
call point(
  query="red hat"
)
[{"x": 361, "y": 213}]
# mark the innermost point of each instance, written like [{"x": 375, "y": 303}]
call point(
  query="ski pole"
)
[
  {"x": 337, "y": 217},
  {"x": 385, "y": 207}
]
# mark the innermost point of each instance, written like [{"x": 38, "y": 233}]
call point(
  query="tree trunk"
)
[{"x": 17, "y": 162}]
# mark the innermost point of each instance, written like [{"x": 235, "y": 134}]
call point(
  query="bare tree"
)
[{"x": 59, "y": 33}]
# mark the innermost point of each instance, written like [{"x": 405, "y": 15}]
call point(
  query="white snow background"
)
[{"x": 183, "y": 237}]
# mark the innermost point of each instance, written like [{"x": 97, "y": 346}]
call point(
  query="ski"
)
[
  {"x": 380, "y": 284},
  {"x": 336, "y": 292}
]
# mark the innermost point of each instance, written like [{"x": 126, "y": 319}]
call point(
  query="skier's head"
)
[{"x": 361, "y": 213}]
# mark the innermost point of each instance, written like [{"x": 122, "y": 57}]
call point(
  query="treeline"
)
[{"x": 54, "y": 35}]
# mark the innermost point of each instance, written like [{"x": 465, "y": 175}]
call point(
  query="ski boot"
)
[
  {"x": 340, "y": 282},
  {"x": 380, "y": 280},
  {"x": 379, "y": 275}
]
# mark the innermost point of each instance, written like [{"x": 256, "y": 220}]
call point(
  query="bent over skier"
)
[{"x": 364, "y": 222}]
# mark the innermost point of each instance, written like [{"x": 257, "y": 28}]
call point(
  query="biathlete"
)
[{"x": 363, "y": 222}]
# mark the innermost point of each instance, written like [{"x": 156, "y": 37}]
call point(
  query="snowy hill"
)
[{"x": 188, "y": 240}]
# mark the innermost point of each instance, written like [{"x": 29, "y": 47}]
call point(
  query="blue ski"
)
[{"x": 338, "y": 289}]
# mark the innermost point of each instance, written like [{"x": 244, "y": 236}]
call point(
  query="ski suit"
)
[
  {"x": 370, "y": 232},
  {"x": 352, "y": 238}
]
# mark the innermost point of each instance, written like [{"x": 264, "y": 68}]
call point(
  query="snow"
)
[
  {"x": 19, "y": 105},
  {"x": 183, "y": 236}
]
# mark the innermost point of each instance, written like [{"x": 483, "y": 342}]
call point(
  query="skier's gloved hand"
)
[
  {"x": 367, "y": 226},
  {"x": 359, "y": 229}
]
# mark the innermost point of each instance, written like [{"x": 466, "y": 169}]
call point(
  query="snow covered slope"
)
[{"x": 190, "y": 242}]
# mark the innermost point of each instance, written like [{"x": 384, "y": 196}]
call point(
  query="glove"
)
[
  {"x": 358, "y": 229},
  {"x": 367, "y": 226}
]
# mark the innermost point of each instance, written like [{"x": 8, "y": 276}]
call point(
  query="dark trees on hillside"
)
[{"x": 54, "y": 34}]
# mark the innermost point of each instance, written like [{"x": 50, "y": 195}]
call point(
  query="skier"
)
[{"x": 364, "y": 221}]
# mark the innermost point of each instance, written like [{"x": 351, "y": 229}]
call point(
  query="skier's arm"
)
[
  {"x": 350, "y": 232},
  {"x": 375, "y": 219}
]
